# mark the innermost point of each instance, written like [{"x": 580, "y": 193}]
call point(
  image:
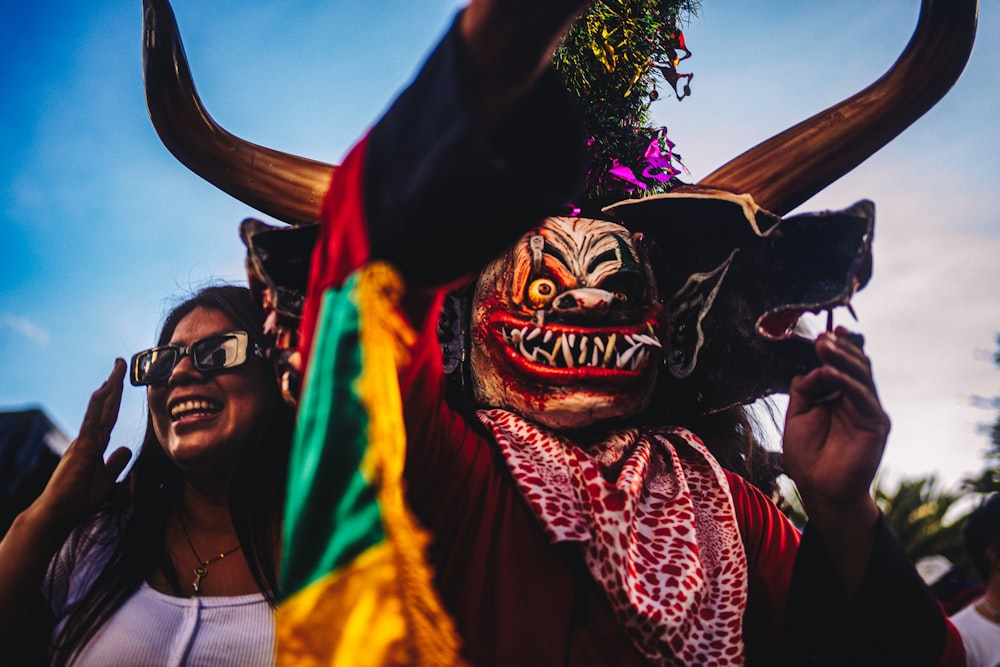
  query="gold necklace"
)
[
  {"x": 989, "y": 610},
  {"x": 202, "y": 570}
]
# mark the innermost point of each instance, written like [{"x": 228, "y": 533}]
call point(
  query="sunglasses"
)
[{"x": 211, "y": 354}]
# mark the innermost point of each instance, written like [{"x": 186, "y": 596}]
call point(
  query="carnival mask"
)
[{"x": 566, "y": 325}]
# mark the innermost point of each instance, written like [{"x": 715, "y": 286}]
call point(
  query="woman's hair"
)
[{"x": 142, "y": 506}]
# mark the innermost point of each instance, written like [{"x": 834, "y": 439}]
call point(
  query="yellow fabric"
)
[
  {"x": 381, "y": 608},
  {"x": 350, "y": 618},
  {"x": 385, "y": 340}
]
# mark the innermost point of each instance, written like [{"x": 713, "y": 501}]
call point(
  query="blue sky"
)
[{"x": 103, "y": 228}]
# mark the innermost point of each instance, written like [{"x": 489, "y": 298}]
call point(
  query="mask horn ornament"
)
[
  {"x": 789, "y": 168},
  {"x": 743, "y": 344},
  {"x": 288, "y": 187}
]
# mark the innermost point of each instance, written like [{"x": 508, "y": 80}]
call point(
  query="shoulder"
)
[
  {"x": 763, "y": 525},
  {"x": 82, "y": 557}
]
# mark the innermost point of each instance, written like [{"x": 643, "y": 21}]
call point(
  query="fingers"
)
[
  {"x": 109, "y": 413},
  {"x": 845, "y": 351},
  {"x": 102, "y": 411},
  {"x": 116, "y": 462},
  {"x": 845, "y": 373}
]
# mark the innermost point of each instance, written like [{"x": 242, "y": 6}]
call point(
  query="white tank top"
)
[{"x": 152, "y": 629}]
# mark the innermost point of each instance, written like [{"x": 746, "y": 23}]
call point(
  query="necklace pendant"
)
[{"x": 199, "y": 573}]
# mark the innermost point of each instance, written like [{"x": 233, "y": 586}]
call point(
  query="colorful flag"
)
[{"x": 356, "y": 589}]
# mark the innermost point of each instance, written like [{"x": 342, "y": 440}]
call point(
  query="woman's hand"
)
[
  {"x": 80, "y": 482},
  {"x": 83, "y": 479}
]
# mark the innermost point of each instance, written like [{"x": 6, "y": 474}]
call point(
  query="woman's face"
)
[{"x": 202, "y": 419}]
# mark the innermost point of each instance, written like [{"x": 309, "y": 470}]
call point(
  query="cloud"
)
[{"x": 25, "y": 328}]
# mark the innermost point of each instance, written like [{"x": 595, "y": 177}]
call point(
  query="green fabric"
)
[{"x": 331, "y": 511}]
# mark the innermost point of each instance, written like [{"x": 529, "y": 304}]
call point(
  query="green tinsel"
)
[{"x": 615, "y": 60}]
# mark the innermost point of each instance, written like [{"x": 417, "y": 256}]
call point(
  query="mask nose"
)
[{"x": 584, "y": 301}]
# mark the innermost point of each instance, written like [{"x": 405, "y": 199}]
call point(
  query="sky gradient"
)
[{"x": 103, "y": 230}]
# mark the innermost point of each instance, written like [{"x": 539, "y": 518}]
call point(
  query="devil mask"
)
[{"x": 566, "y": 325}]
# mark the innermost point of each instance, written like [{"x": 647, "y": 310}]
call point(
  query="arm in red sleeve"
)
[{"x": 434, "y": 194}]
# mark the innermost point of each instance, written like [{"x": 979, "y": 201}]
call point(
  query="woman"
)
[{"x": 182, "y": 557}]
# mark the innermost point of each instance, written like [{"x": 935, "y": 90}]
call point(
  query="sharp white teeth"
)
[
  {"x": 609, "y": 350},
  {"x": 530, "y": 355},
  {"x": 571, "y": 350},
  {"x": 648, "y": 340},
  {"x": 567, "y": 350},
  {"x": 625, "y": 356},
  {"x": 557, "y": 346}
]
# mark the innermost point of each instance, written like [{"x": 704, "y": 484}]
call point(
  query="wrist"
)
[
  {"x": 840, "y": 520},
  {"x": 43, "y": 526}
]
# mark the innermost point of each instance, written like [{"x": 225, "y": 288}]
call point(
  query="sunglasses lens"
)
[
  {"x": 209, "y": 355},
  {"x": 218, "y": 352},
  {"x": 153, "y": 366}
]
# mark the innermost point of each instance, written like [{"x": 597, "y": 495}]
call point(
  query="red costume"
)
[{"x": 516, "y": 597}]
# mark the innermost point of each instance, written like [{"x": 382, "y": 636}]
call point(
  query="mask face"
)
[{"x": 566, "y": 326}]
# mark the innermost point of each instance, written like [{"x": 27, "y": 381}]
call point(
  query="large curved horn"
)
[
  {"x": 285, "y": 186},
  {"x": 791, "y": 167}
]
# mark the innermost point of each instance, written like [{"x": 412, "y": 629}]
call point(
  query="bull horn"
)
[
  {"x": 288, "y": 187},
  {"x": 789, "y": 168}
]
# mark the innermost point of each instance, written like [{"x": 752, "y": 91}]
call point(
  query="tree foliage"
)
[{"x": 917, "y": 513}]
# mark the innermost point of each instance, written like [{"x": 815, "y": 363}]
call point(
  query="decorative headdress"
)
[{"x": 735, "y": 275}]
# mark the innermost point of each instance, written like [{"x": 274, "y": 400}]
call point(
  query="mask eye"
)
[{"x": 540, "y": 291}]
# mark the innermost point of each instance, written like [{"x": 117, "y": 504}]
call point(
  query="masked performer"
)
[{"x": 575, "y": 518}]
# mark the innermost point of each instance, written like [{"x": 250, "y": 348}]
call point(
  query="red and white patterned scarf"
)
[{"x": 664, "y": 524}]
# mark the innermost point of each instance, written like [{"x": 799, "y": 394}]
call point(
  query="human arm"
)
[
  {"x": 835, "y": 433},
  {"x": 438, "y": 187},
  {"x": 855, "y": 598},
  {"x": 482, "y": 145},
  {"x": 81, "y": 481}
]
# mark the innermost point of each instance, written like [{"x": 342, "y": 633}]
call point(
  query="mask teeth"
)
[{"x": 570, "y": 350}]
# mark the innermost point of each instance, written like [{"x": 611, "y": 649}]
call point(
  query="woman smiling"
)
[{"x": 180, "y": 560}]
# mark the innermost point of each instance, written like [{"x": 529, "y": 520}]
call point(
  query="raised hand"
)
[
  {"x": 508, "y": 43},
  {"x": 835, "y": 429},
  {"x": 835, "y": 433},
  {"x": 77, "y": 486},
  {"x": 83, "y": 479}
]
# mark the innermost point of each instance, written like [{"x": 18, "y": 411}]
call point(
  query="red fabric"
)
[
  {"x": 510, "y": 591},
  {"x": 954, "y": 650},
  {"x": 342, "y": 245},
  {"x": 516, "y": 598},
  {"x": 652, "y": 512}
]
